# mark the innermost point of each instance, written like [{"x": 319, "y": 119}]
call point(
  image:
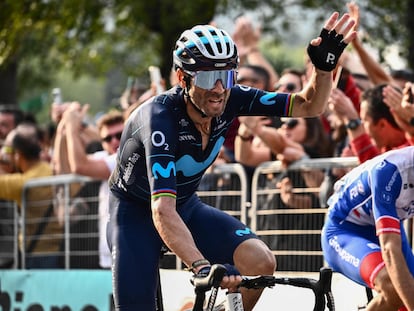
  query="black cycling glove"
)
[
  {"x": 230, "y": 270},
  {"x": 325, "y": 56}
]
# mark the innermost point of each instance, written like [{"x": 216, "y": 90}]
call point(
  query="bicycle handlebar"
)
[
  {"x": 321, "y": 288},
  {"x": 210, "y": 282}
]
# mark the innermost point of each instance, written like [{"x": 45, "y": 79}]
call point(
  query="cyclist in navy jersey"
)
[
  {"x": 168, "y": 143},
  {"x": 364, "y": 237}
]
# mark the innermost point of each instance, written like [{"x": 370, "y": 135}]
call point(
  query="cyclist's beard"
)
[{"x": 201, "y": 112}]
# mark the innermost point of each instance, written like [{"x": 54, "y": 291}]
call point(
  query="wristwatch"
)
[{"x": 353, "y": 124}]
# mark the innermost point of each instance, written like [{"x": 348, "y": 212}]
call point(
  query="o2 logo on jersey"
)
[
  {"x": 165, "y": 172},
  {"x": 158, "y": 140}
]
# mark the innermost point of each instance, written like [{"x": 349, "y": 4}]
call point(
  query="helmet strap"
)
[{"x": 187, "y": 81}]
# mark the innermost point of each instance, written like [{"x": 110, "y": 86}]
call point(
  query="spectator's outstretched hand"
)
[
  {"x": 245, "y": 36},
  {"x": 353, "y": 10},
  {"x": 325, "y": 50},
  {"x": 75, "y": 114},
  {"x": 254, "y": 123},
  {"x": 401, "y": 106},
  {"x": 342, "y": 106}
]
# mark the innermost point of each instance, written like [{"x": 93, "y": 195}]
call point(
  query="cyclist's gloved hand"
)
[
  {"x": 231, "y": 270},
  {"x": 325, "y": 56},
  {"x": 203, "y": 272}
]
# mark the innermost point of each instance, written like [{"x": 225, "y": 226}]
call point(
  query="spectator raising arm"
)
[
  {"x": 402, "y": 108},
  {"x": 375, "y": 71},
  {"x": 247, "y": 39}
]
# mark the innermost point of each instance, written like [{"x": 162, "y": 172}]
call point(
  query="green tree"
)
[
  {"x": 39, "y": 38},
  {"x": 386, "y": 22}
]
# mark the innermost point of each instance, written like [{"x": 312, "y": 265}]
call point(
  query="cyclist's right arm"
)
[
  {"x": 397, "y": 268},
  {"x": 178, "y": 238},
  {"x": 173, "y": 230}
]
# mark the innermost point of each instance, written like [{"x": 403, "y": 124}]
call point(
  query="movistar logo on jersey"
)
[
  {"x": 189, "y": 166},
  {"x": 165, "y": 172},
  {"x": 243, "y": 232},
  {"x": 268, "y": 99}
]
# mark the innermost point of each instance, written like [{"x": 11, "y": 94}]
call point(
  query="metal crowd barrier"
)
[
  {"x": 50, "y": 207},
  {"x": 293, "y": 234},
  {"x": 226, "y": 188},
  {"x": 292, "y": 230},
  {"x": 8, "y": 234}
]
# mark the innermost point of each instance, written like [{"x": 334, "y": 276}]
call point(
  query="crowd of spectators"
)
[{"x": 367, "y": 114}]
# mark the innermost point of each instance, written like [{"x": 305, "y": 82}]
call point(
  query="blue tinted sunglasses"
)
[{"x": 207, "y": 79}]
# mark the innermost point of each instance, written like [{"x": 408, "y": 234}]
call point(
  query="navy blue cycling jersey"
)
[{"x": 161, "y": 149}]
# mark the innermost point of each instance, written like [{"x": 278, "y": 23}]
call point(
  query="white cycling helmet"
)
[{"x": 205, "y": 47}]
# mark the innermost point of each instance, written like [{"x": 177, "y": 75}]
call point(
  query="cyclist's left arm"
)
[{"x": 313, "y": 98}]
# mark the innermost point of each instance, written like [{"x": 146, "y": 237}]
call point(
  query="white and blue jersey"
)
[
  {"x": 370, "y": 200},
  {"x": 161, "y": 154}
]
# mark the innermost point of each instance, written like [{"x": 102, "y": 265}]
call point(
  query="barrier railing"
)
[
  {"x": 292, "y": 233},
  {"x": 291, "y": 225},
  {"x": 226, "y": 188},
  {"x": 46, "y": 217},
  {"x": 8, "y": 234}
]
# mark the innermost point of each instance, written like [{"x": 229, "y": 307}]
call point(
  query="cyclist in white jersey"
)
[{"x": 364, "y": 237}]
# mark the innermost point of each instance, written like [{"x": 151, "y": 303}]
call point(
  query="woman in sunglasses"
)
[{"x": 169, "y": 142}]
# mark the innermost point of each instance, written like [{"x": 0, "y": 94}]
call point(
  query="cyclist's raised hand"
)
[{"x": 325, "y": 50}]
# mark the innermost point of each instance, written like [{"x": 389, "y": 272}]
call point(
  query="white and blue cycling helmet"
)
[{"x": 204, "y": 48}]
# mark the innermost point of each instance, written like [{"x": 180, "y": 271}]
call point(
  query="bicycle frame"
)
[{"x": 321, "y": 288}]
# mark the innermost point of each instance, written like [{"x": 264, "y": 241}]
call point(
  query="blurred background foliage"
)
[{"x": 90, "y": 47}]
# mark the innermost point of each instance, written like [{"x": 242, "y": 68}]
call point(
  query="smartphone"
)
[
  {"x": 155, "y": 76},
  {"x": 57, "y": 96}
]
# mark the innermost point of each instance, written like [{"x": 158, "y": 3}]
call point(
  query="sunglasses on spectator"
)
[
  {"x": 290, "y": 87},
  {"x": 109, "y": 137},
  {"x": 292, "y": 123},
  {"x": 208, "y": 79}
]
